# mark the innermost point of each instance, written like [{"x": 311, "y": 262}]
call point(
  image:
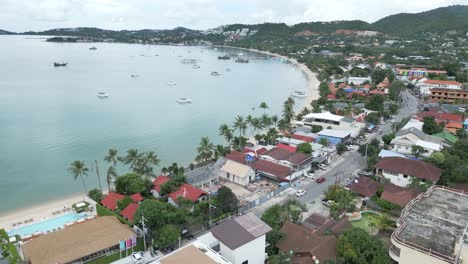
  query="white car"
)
[
  {"x": 137, "y": 257},
  {"x": 322, "y": 166},
  {"x": 310, "y": 175},
  {"x": 300, "y": 193}
]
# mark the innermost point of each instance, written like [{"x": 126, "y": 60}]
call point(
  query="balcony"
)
[{"x": 394, "y": 253}]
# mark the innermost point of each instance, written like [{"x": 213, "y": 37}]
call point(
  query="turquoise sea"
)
[{"x": 50, "y": 116}]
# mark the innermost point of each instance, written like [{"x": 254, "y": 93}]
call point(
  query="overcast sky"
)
[{"x": 23, "y": 15}]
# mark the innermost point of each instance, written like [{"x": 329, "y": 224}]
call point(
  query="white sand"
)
[
  {"x": 38, "y": 212},
  {"x": 312, "y": 81}
]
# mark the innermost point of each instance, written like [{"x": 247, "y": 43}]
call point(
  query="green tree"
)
[
  {"x": 305, "y": 148},
  {"x": 240, "y": 125},
  {"x": 168, "y": 235},
  {"x": 226, "y": 200},
  {"x": 381, "y": 221},
  {"x": 376, "y": 103},
  {"x": 417, "y": 150},
  {"x": 132, "y": 158},
  {"x": 437, "y": 159},
  {"x": 263, "y": 106},
  {"x": 226, "y": 132},
  {"x": 356, "y": 246},
  {"x": 110, "y": 176},
  {"x": 78, "y": 169},
  {"x": 158, "y": 214},
  {"x": 96, "y": 195},
  {"x": 112, "y": 157},
  {"x": 341, "y": 148},
  {"x": 430, "y": 126},
  {"x": 324, "y": 142},
  {"x": 122, "y": 204},
  {"x": 205, "y": 150},
  {"x": 280, "y": 258},
  {"x": 131, "y": 183},
  {"x": 388, "y": 138}
]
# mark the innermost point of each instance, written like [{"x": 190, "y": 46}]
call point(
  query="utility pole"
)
[{"x": 142, "y": 221}]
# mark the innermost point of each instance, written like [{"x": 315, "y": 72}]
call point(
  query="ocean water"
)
[{"x": 51, "y": 116}]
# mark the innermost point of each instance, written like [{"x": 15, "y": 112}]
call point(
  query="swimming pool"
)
[{"x": 47, "y": 225}]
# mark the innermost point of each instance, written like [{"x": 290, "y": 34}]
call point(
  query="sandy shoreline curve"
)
[{"x": 312, "y": 80}]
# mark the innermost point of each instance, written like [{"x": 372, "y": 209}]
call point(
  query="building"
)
[
  {"x": 432, "y": 229},
  {"x": 193, "y": 253},
  {"x": 78, "y": 243},
  {"x": 413, "y": 123},
  {"x": 448, "y": 138},
  {"x": 322, "y": 225},
  {"x": 385, "y": 84},
  {"x": 305, "y": 246},
  {"x": 406, "y": 139},
  {"x": 449, "y": 95},
  {"x": 401, "y": 171},
  {"x": 427, "y": 86},
  {"x": 206, "y": 177},
  {"x": 188, "y": 192},
  {"x": 418, "y": 72},
  {"x": 328, "y": 120},
  {"x": 285, "y": 157},
  {"x": 273, "y": 170},
  {"x": 157, "y": 183},
  {"x": 398, "y": 195},
  {"x": 364, "y": 186},
  {"x": 240, "y": 240},
  {"x": 334, "y": 136},
  {"x": 358, "y": 80},
  {"x": 238, "y": 173},
  {"x": 111, "y": 200},
  {"x": 388, "y": 153},
  {"x": 129, "y": 211}
]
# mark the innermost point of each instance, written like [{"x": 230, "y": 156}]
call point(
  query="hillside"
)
[
  {"x": 4, "y": 32},
  {"x": 437, "y": 20}
]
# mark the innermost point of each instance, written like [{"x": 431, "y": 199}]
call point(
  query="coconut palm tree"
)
[
  {"x": 240, "y": 125},
  {"x": 132, "y": 158},
  {"x": 248, "y": 121},
  {"x": 149, "y": 159},
  {"x": 164, "y": 170},
  {"x": 263, "y": 106},
  {"x": 112, "y": 156},
  {"x": 205, "y": 150},
  {"x": 78, "y": 169},
  {"x": 266, "y": 121},
  {"x": 111, "y": 175},
  {"x": 226, "y": 132},
  {"x": 274, "y": 120},
  {"x": 382, "y": 222}
]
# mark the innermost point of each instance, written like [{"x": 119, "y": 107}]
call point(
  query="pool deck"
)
[{"x": 40, "y": 212}]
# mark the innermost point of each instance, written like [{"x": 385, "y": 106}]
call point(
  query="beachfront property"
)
[
  {"x": 240, "y": 240},
  {"x": 432, "y": 229},
  {"x": 160, "y": 180},
  {"x": 238, "y": 173},
  {"x": 405, "y": 140},
  {"x": 194, "y": 253},
  {"x": 328, "y": 120},
  {"x": 295, "y": 160},
  {"x": 78, "y": 243},
  {"x": 335, "y": 136},
  {"x": 274, "y": 170},
  {"x": 187, "y": 191},
  {"x": 402, "y": 171}
]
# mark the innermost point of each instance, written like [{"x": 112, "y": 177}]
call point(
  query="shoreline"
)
[
  {"x": 313, "y": 83},
  {"x": 39, "y": 210}
]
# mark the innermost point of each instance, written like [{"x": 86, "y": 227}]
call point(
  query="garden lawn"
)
[{"x": 364, "y": 224}]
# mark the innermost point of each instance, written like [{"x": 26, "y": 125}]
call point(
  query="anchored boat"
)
[
  {"x": 183, "y": 100},
  {"x": 60, "y": 64},
  {"x": 102, "y": 95},
  {"x": 299, "y": 94}
]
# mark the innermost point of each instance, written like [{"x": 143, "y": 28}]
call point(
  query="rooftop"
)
[
  {"x": 398, "y": 195},
  {"x": 239, "y": 231},
  {"x": 194, "y": 253},
  {"x": 334, "y": 133},
  {"x": 236, "y": 168},
  {"x": 160, "y": 180},
  {"x": 324, "y": 115},
  {"x": 77, "y": 241},
  {"x": 282, "y": 154},
  {"x": 434, "y": 221},
  {"x": 237, "y": 157},
  {"x": 364, "y": 186},
  {"x": 188, "y": 192},
  {"x": 110, "y": 201},
  {"x": 415, "y": 168},
  {"x": 129, "y": 211},
  {"x": 272, "y": 168}
]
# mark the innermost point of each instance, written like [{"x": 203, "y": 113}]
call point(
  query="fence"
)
[{"x": 262, "y": 199}]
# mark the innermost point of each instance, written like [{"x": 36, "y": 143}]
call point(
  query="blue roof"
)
[
  {"x": 388, "y": 153},
  {"x": 348, "y": 90}
]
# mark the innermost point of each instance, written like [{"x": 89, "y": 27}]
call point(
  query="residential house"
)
[
  {"x": 364, "y": 186},
  {"x": 112, "y": 199},
  {"x": 448, "y": 138},
  {"x": 188, "y": 192},
  {"x": 428, "y": 85},
  {"x": 328, "y": 120},
  {"x": 388, "y": 153},
  {"x": 402, "y": 172},
  {"x": 238, "y": 173},
  {"x": 274, "y": 170},
  {"x": 398, "y": 195},
  {"x": 406, "y": 139},
  {"x": 334, "y": 136},
  {"x": 322, "y": 225},
  {"x": 193, "y": 253},
  {"x": 449, "y": 95},
  {"x": 284, "y": 157},
  {"x": 157, "y": 183},
  {"x": 432, "y": 229},
  {"x": 385, "y": 84},
  {"x": 240, "y": 240},
  {"x": 290, "y": 148},
  {"x": 413, "y": 123},
  {"x": 305, "y": 246},
  {"x": 206, "y": 177},
  {"x": 129, "y": 211},
  {"x": 289, "y": 141},
  {"x": 358, "y": 80}
]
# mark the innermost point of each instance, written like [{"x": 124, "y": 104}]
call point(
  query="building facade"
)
[{"x": 449, "y": 95}]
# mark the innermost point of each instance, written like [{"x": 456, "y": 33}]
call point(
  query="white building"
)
[
  {"x": 406, "y": 139},
  {"x": 241, "y": 240},
  {"x": 238, "y": 173},
  {"x": 193, "y": 253},
  {"x": 426, "y": 86},
  {"x": 329, "y": 120},
  {"x": 358, "y": 80}
]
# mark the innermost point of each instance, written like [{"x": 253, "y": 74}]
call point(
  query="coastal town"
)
[{"x": 367, "y": 164}]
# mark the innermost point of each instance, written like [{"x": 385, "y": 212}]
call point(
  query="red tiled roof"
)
[
  {"x": 367, "y": 86},
  {"x": 160, "y": 180},
  {"x": 237, "y": 157},
  {"x": 259, "y": 151},
  {"x": 364, "y": 186},
  {"x": 442, "y": 82},
  {"x": 376, "y": 92},
  {"x": 439, "y": 117},
  {"x": 129, "y": 211},
  {"x": 188, "y": 192},
  {"x": 454, "y": 125},
  {"x": 137, "y": 197},
  {"x": 271, "y": 168},
  {"x": 303, "y": 138},
  {"x": 414, "y": 168},
  {"x": 110, "y": 201},
  {"x": 286, "y": 147},
  {"x": 296, "y": 158},
  {"x": 331, "y": 96},
  {"x": 398, "y": 195}
]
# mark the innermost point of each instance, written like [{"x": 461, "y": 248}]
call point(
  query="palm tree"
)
[
  {"x": 266, "y": 121},
  {"x": 132, "y": 158},
  {"x": 226, "y": 132},
  {"x": 205, "y": 150},
  {"x": 164, "y": 170},
  {"x": 78, "y": 169},
  {"x": 248, "y": 120},
  {"x": 263, "y": 106},
  {"x": 240, "y": 125},
  {"x": 111, "y": 175},
  {"x": 112, "y": 156},
  {"x": 150, "y": 159},
  {"x": 274, "y": 119},
  {"x": 382, "y": 222}
]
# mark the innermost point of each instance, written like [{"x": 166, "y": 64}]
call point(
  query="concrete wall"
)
[
  {"x": 407, "y": 149},
  {"x": 253, "y": 252},
  {"x": 410, "y": 256},
  {"x": 399, "y": 179}
]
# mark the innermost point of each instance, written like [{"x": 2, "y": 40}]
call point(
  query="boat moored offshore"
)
[
  {"x": 184, "y": 100},
  {"x": 299, "y": 94},
  {"x": 171, "y": 83},
  {"x": 215, "y": 73},
  {"x": 60, "y": 64},
  {"x": 102, "y": 95},
  {"x": 224, "y": 57}
]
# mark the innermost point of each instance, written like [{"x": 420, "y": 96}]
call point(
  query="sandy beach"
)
[{"x": 312, "y": 81}]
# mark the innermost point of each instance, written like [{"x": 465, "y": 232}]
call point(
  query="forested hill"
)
[
  {"x": 437, "y": 20},
  {"x": 4, "y": 32}
]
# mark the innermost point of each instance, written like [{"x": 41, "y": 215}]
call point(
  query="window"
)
[
  {"x": 405, "y": 176},
  {"x": 245, "y": 262}
]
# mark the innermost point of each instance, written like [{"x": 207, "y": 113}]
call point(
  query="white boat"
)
[
  {"x": 196, "y": 67},
  {"x": 215, "y": 73},
  {"x": 299, "y": 94},
  {"x": 171, "y": 83},
  {"x": 103, "y": 95},
  {"x": 183, "y": 100}
]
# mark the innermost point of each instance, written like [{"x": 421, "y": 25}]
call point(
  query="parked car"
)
[
  {"x": 322, "y": 166},
  {"x": 328, "y": 203},
  {"x": 300, "y": 193},
  {"x": 365, "y": 173},
  {"x": 137, "y": 257},
  {"x": 310, "y": 175},
  {"x": 320, "y": 179}
]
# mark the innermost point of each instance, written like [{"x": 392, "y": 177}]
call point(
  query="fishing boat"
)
[
  {"x": 184, "y": 100},
  {"x": 102, "y": 95},
  {"x": 299, "y": 94},
  {"x": 93, "y": 48},
  {"x": 171, "y": 83},
  {"x": 60, "y": 64},
  {"x": 196, "y": 66},
  {"x": 215, "y": 73},
  {"x": 134, "y": 75},
  {"x": 188, "y": 61},
  {"x": 241, "y": 60},
  {"x": 225, "y": 57}
]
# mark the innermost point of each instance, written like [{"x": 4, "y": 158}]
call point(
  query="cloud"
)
[{"x": 22, "y": 15}]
